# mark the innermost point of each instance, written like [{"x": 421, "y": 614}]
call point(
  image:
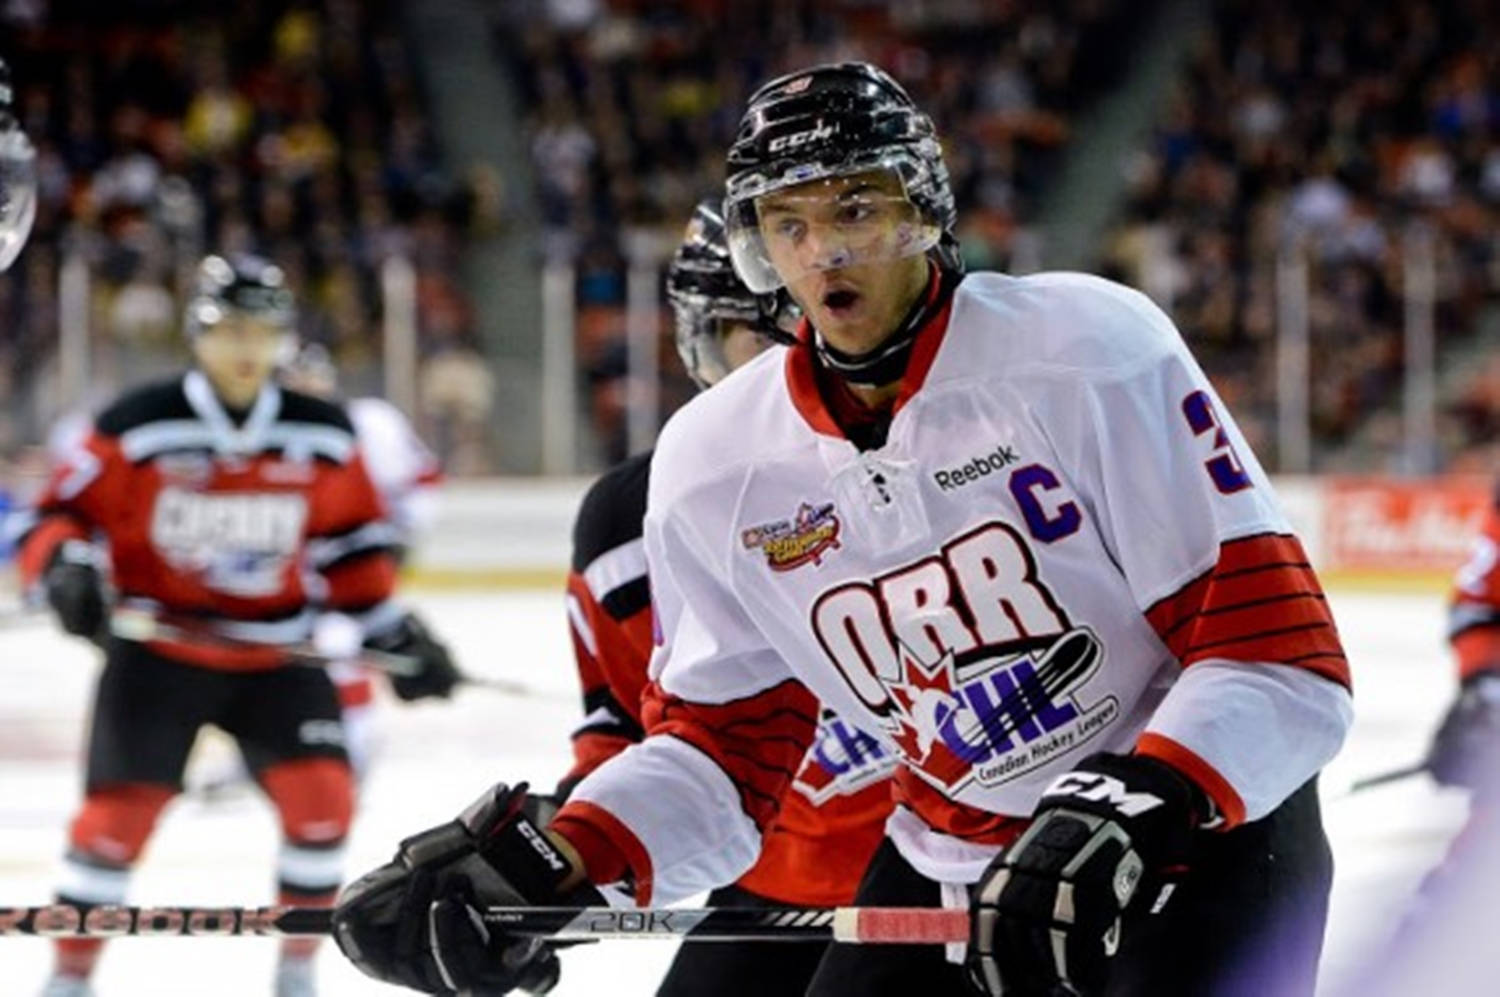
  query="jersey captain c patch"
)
[{"x": 968, "y": 659}]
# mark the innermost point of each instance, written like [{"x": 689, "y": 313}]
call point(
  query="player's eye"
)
[
  {"x": 854, "y": 212},
  {"x": 790, "y": 229}
]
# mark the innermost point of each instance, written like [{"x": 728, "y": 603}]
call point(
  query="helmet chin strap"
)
[{"x": 886, "y": 363}]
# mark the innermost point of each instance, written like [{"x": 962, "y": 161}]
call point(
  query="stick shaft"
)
[
  {"x": 855, "y": 925},
  {"x": 140, "y": 625},
  {"x": 1394, "y": 775}
]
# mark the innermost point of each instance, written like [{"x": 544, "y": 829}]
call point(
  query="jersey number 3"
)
[{"x": 1224, "y": 467}]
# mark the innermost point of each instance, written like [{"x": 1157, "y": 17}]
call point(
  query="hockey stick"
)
[
  {"x": 136, "y": 624},
  {"x": 1382, "y": 778},
  {"x": 853, "y": 925}
]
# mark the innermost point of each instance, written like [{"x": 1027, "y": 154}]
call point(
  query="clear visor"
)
[
  {"x": 829, "y": 223},
  {"x": 17, "y": 189},
  {"x": 714, "y": 339}
]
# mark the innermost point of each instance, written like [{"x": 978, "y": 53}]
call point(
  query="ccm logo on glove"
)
[{"x": 1103, "y": 789}]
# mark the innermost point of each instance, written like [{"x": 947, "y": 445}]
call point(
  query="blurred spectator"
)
[
  {"x": 634, "y": 104},
  {"x": 1326, "y": 131},
  {"x": 291, "y": 128}
]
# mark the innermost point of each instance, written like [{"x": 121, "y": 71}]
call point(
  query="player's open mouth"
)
[{"x": 840, "y": 301}]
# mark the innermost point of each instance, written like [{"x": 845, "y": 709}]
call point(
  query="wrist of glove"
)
[
  {"x": 1107, "y": 843},
  {"x": 75, "y": 588},
  {"x": 1465, "y": 750},
  {"x": 418, "y": 921},
  {"x": 433, "y": 673}
]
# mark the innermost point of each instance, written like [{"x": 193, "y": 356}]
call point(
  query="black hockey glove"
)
[
  {"x": 436, "y": 674},
  {"x": 1466, "y": 748},
  {"x": 75, "y": 588},
  {"x": 417, "y": 921},
  {"x": 1106, "y": 843}
]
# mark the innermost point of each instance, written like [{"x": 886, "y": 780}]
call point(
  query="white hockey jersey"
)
[
  {"x": 1064, "y": 546},
  {"x": 405, "y": 471}
]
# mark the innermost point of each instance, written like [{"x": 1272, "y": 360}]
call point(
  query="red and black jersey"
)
[
  {"x": 1474, "y": 614},
  {"x": 239, "y": 524},
  {"x": 832, "y": 817}
]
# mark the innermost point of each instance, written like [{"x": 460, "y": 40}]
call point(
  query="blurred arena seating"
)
[{"x": 1330, "y": 131}]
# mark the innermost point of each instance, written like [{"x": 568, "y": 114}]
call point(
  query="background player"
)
[
  {"x": 1006, "y": 522},
  {"x": 1466, "y": 747},
  {"x": 217, "y": 493},
  {"x": 408, "y": 477},
  {"x": 833, "y": 815}
]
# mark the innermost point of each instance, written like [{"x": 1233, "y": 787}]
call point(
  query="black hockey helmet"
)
[
  {"x": 832, "y": 121},
  {"x": 703, "y": 290},
  {"x": 243, "y": 283},
  {"x": 17, "y": 177}
]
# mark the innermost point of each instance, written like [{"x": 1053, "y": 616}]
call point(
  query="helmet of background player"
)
[
  {"x": 802, "y": 132},
  {"x": 241, "y": 322},
  {"x": 311, "y": 371},
  {"x": 711, "y": 304},
  {"x": 17, "y": 177}
]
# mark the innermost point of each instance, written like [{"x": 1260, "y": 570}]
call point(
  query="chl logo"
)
[
  {"x": 842, "y": 760},
  {"x": 967, "y": 659}
]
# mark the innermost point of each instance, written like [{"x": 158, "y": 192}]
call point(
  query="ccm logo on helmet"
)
[
  {"x": 1102, "y": 789},
  {"x": 786, "y": 143}
]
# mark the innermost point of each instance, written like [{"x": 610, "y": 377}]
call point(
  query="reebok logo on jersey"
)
[
  {"x": 791, "y": 543},
  {"x": 991, "y": 463}
]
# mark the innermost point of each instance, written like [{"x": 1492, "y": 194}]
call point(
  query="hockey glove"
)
[
  {"x": 1466, "y": 748},
  {"x": 75, "y": 588},
  {"x": 436, "y": 674},
  {"x": 1106, "y": 844},
  {"x": 417, "y": 921}
]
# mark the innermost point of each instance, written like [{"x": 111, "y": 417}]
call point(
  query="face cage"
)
[
  {"x": 697, "y": 333},
  {"x": 17, "y": 189},
  {"x": 909, "y": 165}
]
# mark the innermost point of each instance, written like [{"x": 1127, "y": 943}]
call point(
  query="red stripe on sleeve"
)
[
  {"x": 1204, "y": 775},
  {"x": 1260, "y": 601},
  {"x": 759, "y": 741},
  {"x": 592, "y": 749},
  {"x": 608, "y": 848},
  {"x": 42, "y": 541},
  {"x": 623, "y": 649},
  {"x": 1478, "y": 650},
  {"x": 361, "y": 582}
]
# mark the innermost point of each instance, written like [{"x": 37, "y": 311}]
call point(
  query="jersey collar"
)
[
  {"x": 227, "y": 437},
  {"x": 801, "y": 377}
]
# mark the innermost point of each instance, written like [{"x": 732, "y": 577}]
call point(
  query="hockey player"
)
[
  {"x": 1465, "y": 750},
  {"x": 1007, "y": 524},
  {"x": 217, "y": 494},
  {"x": 404, "y": 469},
  {"x": 833, "y": 815},
  {"x": 407, "y": 476}
]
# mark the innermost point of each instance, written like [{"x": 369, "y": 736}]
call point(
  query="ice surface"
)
[{"x": 434, "y": 758}]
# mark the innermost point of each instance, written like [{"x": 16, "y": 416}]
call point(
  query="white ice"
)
[{"x": 434, "y": 758}]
